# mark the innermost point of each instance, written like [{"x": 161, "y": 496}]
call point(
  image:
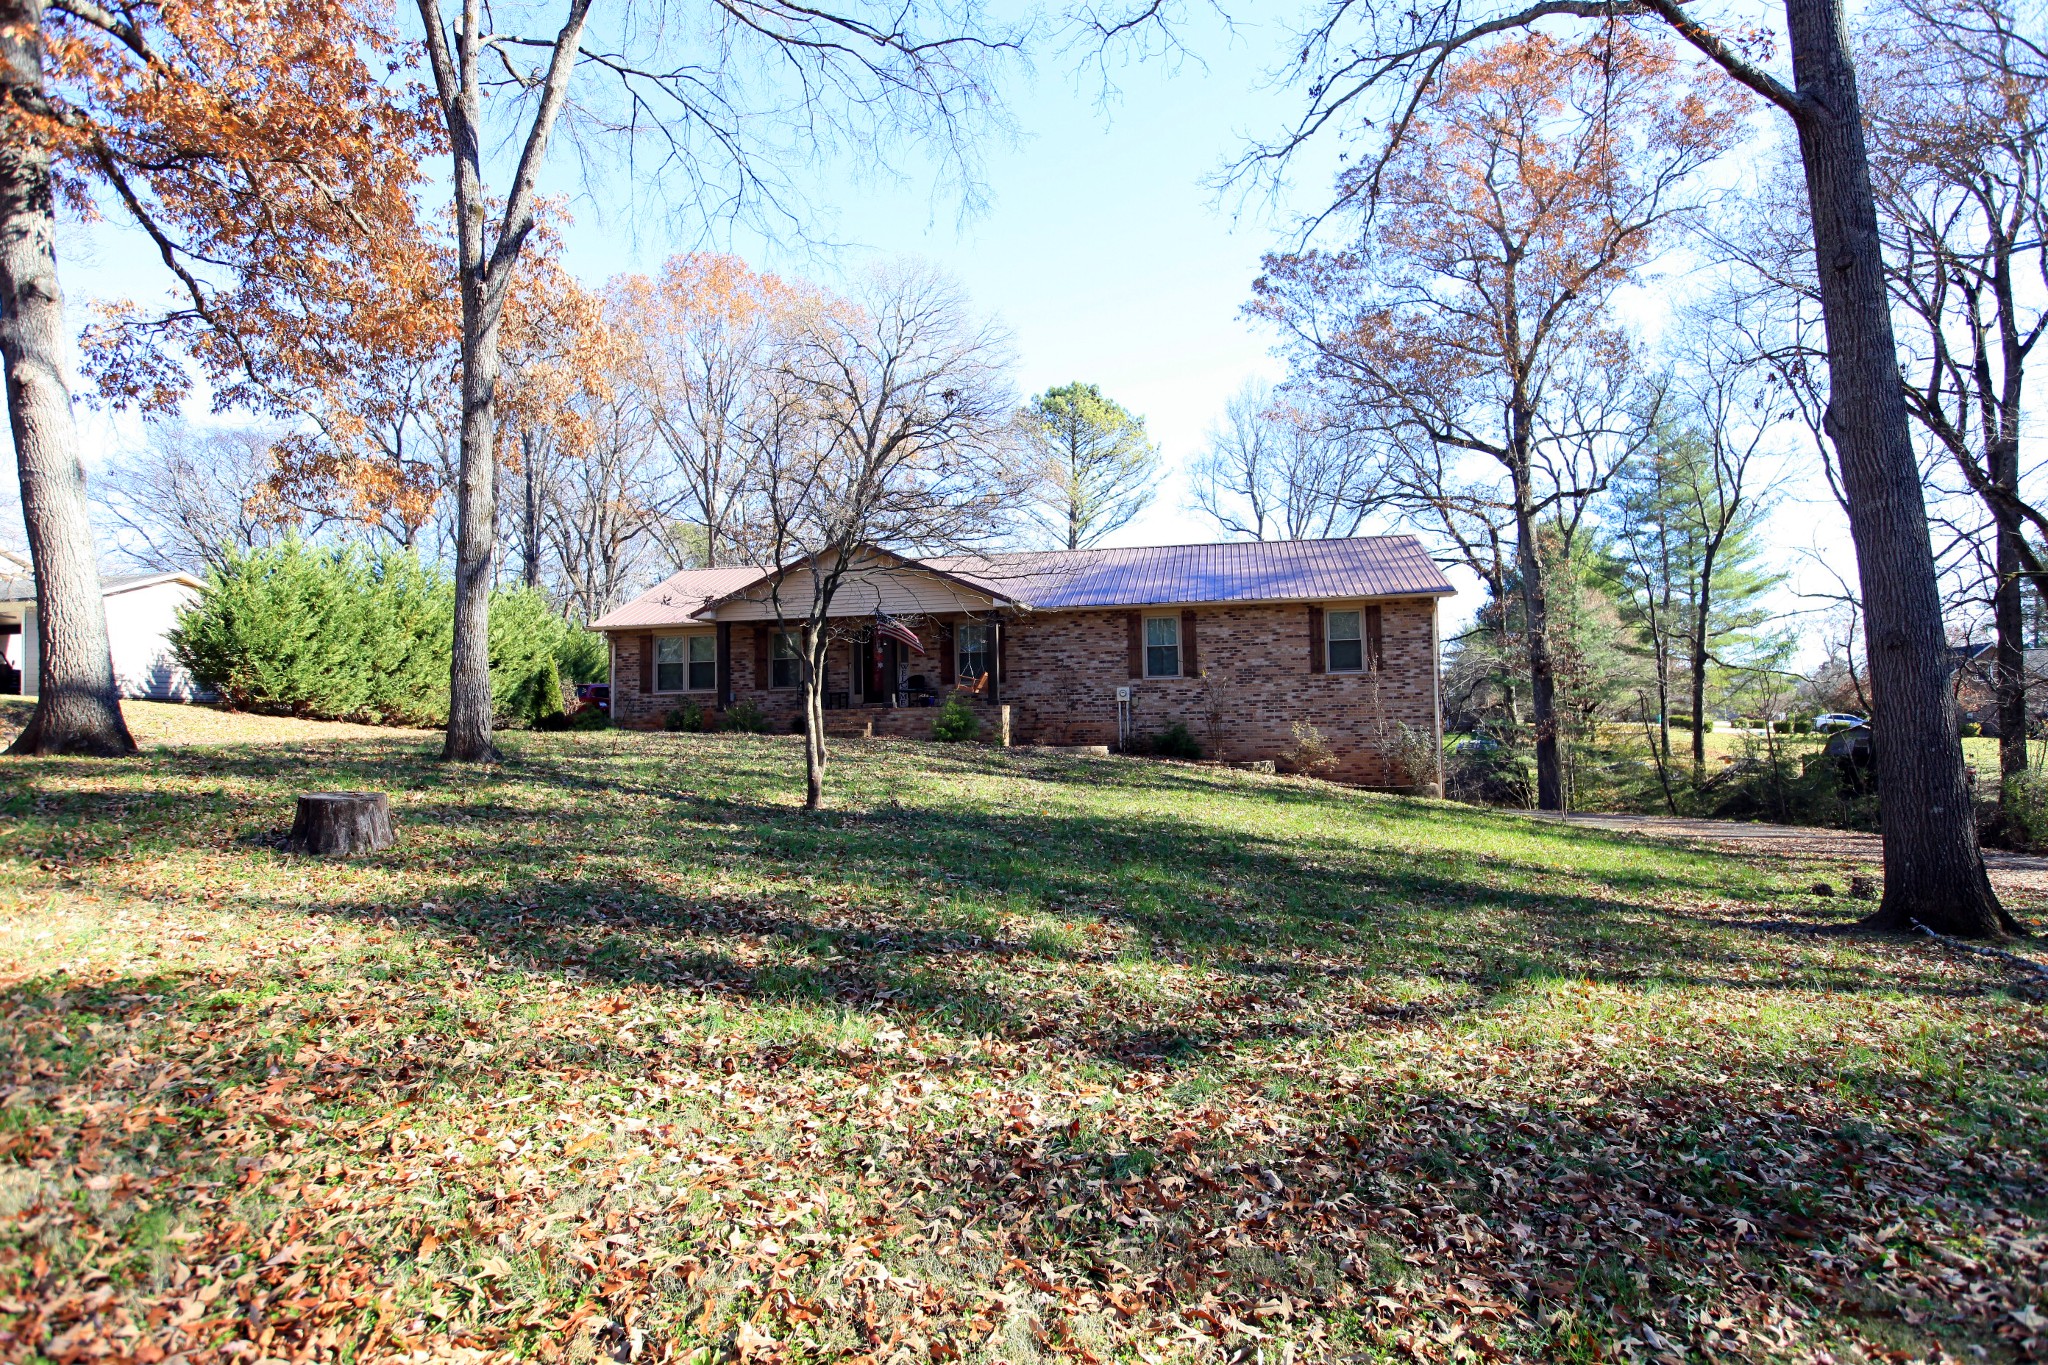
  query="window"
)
[
  {"x": 668, "y": 663},
  {"x": 975, "y": 647},
  {"x": 685, "y": 663},
  {"x": 703, "y": 662},
  {"x": 785, "y": 665},
  {"x": 1162, "y": 646},
  {"x": 1345, "y": 641}
]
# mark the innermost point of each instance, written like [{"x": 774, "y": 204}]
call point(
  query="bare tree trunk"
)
[
  {"x": 2008, "y": 616},
  {"x": 476, "y": 520},
  {"x": 1703, "y": 606},
  {"x": 1934, "y": 871},
  {"x": 814, "y": 722},
  {"x": 1536, "y": 625},
  {"x": 484, "y": 274},
  {"x": 78, "y": 707},
  {"x": 531, "y": 511}
]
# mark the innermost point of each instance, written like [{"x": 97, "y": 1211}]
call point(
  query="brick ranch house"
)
[{"x": 1236, "y": 641}]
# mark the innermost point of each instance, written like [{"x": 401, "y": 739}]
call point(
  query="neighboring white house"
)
[{"x": 141, "y": 609}]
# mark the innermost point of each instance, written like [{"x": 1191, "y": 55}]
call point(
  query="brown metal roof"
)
[
  {"x": 676, "y": 600},
  {"x": 1238, "y": 571},
  {"x": 1160, "y": 575}
]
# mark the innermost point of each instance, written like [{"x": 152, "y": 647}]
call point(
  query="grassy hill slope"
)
[{"x": 1008, "y": 1056}]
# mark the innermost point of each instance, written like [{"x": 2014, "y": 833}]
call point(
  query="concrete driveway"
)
[{"x": 2026, "y": 873}]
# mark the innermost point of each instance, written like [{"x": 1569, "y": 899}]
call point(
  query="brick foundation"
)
[{"x": 1061, "y": 670}]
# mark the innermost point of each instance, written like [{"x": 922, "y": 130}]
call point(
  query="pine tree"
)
[{"x": 1692, "y": 558}]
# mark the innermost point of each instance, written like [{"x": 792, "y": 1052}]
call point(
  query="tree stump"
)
[{"x": 341, "y": 824}]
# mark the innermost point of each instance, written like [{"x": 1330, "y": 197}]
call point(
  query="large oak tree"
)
[
  {"x": 260, "y": 149},
  {"x": 1368, "y": 59}
]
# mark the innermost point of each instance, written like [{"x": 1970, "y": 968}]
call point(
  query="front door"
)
[{"x": 889, "y": 672}]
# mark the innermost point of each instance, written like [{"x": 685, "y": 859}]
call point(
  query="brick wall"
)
[
  {"x": 781, "y": 705},
  {"x": 750, "y": 675},
  {"x": 1061, "y": 671},
  {"x": 1064, "y": 669}
]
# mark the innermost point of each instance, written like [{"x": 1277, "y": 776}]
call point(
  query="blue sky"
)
[{"x": 1100, "y": 247}]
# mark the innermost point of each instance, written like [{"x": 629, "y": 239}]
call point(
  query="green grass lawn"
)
[{"x": 1009, "y": 1056}]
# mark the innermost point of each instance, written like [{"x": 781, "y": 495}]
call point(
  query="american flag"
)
[{"x": 889, "y": 628}]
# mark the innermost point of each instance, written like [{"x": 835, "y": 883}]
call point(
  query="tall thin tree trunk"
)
[
  {"x": 476, "y": 521},
  {"x": 1703, "y": 609},
  {"x": 531, "y": 511},
  {"x": 78, "y": 706},
  {"x": 1662, "y": 643},
  {"x": 1542, "y": 679},
  {"x": 484, "y": 276},
  {"x": 2008, "y": 617},
  {"x": 1659, "y": 641},
  {"x": 814, "y": 722},
  {"x": 1934, "y": 871}
]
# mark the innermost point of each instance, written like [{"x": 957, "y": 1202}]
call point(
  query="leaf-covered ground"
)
[{"x": 1011, "y": 1056}]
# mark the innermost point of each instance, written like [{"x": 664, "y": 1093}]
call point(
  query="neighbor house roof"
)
[
  {"x": 1238, "y": 571},
  {"x": 678, "y": 598},
  {"x": 1160, "y": 575},
  {"x": 23, "y": 589}
]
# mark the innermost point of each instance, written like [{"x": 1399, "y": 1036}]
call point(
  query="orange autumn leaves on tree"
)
[
  {"x": 1540, "y": 176},
  {"x": 270, "y": 153},
  {"x": 562, "y": 354},
  {"x": 702, "y": 342},
  {"x": 1471, "y": 315},
  {"x": 382, "y": 451},
  {"x": 686, "y": 348}
]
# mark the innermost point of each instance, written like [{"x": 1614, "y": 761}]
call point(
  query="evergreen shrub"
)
[
  {"x": 344, "y": 634},
  {"x": 956, "y": 720},
  {"x": 1177, "y": 741},
  {"x": 2024, "y": 811},
  {"x": 744, "y": 718},
  {"x": 583, "y": 656}
]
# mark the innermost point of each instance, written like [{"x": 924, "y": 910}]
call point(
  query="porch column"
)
[
  {"x": 997, "y": 638},
  {"x": 724, "y": 664}
]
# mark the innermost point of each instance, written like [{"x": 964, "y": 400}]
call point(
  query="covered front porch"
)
[
  {"x": 881, "y": 721},
  {"x": 18, "y": 663}
]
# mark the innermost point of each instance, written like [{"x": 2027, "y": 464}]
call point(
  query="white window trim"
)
[
  {"x": 1329, "y": 665},
  {"x": 796, "y": 657},
  {"x": 1179, "y": 646},
  {"x": 686, "y": 690}
]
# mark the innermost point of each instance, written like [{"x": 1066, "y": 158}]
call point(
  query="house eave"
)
[{"x": 708, "y": 616}]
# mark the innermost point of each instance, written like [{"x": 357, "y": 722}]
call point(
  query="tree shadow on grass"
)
[
  {"x": 1615, "y": 1198},
  {"x": 1530, "y": 1219},
  {"x": 1305, "y": 906},
  {"x": 1304, "y": 910}
]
